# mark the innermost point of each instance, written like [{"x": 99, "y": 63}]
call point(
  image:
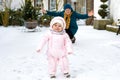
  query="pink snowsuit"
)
[{"x": 59, "y": 46}]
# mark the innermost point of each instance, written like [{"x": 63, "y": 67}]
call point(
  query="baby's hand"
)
[
  {"x": 38, "y": 50},
  {"x": 69, "y": 52}
]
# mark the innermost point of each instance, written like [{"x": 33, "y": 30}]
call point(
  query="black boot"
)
[
  {"x": 73, "y": 40},
  {"x": 67, "y": 75},
  {"x": 52, "y": 76}
]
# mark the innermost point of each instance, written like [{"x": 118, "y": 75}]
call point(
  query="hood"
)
[
  {"x": 58, "y": 20},
  {"x": 66, "y": 6}
]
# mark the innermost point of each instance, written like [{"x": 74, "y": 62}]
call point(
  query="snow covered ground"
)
[{"x": 96, "y": 55}]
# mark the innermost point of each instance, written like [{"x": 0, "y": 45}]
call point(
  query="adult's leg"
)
[{"x": 69, "y": 33}]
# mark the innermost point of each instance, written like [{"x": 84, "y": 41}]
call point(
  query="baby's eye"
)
[
  {"x": 55, "y": 25},
  {"x": 59, "y": 26}
]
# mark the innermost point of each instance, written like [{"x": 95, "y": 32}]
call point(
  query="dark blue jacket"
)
[{"x": 73, "y": 27}]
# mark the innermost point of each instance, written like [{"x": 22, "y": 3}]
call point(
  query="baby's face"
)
[{"x": 57, "y": 27}]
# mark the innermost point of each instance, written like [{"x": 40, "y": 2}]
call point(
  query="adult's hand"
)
[
  {"x": 90, "y": 13},
  {"x": 44, "y": 11}
]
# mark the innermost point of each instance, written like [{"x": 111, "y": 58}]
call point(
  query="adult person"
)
[{"x": 70, "y": 16}]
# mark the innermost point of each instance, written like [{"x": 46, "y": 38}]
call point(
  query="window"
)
[
  {"x": 53, "y": 5},
  {"x": 1, "y": 5},
  {"x": 38, "y": 3},
  {"x": 1, "y": 1}
]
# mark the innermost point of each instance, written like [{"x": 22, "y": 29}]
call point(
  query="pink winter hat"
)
[{"x": 58, "y": 20}]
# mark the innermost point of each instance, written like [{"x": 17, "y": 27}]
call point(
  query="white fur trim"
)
[{"x": 58, "y": 20}]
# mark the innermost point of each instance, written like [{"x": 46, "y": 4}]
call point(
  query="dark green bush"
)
[
  {"x": 44, "y": 20},
  {"x": 16, "y": 17},
  {"x": 29, "y": 11},
  {"x": 102, "y": 13},
  {"x": 103, "y": 1},
  {"x": 103, "y": 9},
  {"x": 104, "y": 6}
]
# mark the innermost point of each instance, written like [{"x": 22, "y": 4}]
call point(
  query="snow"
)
[{"x": 96, "y": 55}]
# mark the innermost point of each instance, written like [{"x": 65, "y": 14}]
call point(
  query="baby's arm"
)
[{"x": 43, "y": 41}]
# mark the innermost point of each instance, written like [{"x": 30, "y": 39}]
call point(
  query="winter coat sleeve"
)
[
  {"x": 81, "y": 16},
  {"x": 54, "y": 13},
  {"x": 43, "y": 41},
  {"x": 68, "y": 45}
]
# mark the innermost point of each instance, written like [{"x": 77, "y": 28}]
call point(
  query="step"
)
[{"x": 112, "y": 28}]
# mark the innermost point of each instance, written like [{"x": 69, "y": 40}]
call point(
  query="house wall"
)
[
  {"x": 47, "y": 5},
  {"x": 16, "y": 4},
  {"x": 81, "y": 6},
  {"x": 96, "y": 8},
  {"x": 45, "y": 2},
  {"x": 115, "y": 9}
]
